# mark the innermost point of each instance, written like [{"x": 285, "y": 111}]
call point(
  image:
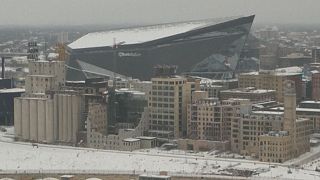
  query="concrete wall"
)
[
  {"x": 203, "y": 145},
  {"x": 115, "y": 142}
]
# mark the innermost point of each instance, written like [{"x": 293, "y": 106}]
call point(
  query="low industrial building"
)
[
  {"x": 7, "y": 105},
  {"x": 294, "y": 59}
]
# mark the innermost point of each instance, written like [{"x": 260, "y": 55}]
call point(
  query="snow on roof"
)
[
  {"x": 267, "y": 112},
  {"x": 139, "y": 34},
  {"x": 311, "y": 102},
  {"x": 12, "y": 90},
  {"x": 131, "y": 140},
  {"x": 146, "y": 137},
  {"x": 154, "y": 176},
  {"x": 292, "y": 69},
  {"x": 299, "y": 109}
]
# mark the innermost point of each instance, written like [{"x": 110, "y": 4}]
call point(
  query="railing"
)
[{"x": 107, "y": 172}]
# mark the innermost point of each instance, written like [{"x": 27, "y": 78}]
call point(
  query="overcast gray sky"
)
[{"x": 79, "y": 12}]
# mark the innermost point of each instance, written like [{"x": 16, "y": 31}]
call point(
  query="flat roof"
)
[
  {"x": 310, "y": 102},
  {"x": 12, "y": 90},
  {"x": 294, "y": 70},
  {"x": 267, "y": 112},
  {"x": 154, "y": 176},
  {"x": 146, "y": 137},
  {"x": 131, "y": 139},
  {"x": 127, "y": 36},
  {"x": 246, "y": 90},
  {"x": 299, "y": 109}
]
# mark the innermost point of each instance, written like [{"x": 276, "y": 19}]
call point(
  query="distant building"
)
[
  {"x": 268, "y": 33},
  {"x": 294, "y": 59},
  {"x": 7, "y": 105},
  {"x": 253, "y": 94},
  {"x": 273, "y": 80},
  {"x": 316, "y": 54},
  {"x": 315, "y": 80},
  {"x": 268, "y": 61}
]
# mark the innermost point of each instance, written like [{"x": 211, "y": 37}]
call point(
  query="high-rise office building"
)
[{"x": 167, "y": 103}]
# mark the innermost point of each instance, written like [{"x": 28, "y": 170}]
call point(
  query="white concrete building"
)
[
  {"x": 43, "y": 117},
  {"x": 45, "y": 75}
]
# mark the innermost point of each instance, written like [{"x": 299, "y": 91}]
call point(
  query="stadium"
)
[{"x": 208, "y": 48}]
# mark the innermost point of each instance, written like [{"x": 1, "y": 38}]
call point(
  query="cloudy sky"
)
[{"x": 81, "y": 12}]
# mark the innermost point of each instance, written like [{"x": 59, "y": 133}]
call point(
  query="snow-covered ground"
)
[{"x": 18, "y": 156}]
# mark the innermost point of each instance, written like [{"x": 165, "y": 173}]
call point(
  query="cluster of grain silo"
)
[
  {"x": 67, "y": 112},
  {"x": 48, "y": 120},
  {"x": 33, "y": 119}
]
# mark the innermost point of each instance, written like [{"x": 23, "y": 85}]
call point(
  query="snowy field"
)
[{"x": 18, "y": 156}]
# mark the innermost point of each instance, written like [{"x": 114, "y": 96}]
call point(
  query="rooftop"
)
[
  {"x": 278, "y": 72},
  {"x": 131, "y": 139},
  {"x": 267, "y": 112},
  {"x": 295, "y": 56},
  {"x": 248, "y": 90},
  {"x": 154, "y": 176},
  {"x": 12, "y": 90},
  {"x": 299, "y": 109},
  {"x": 310, "y": 102},
  {"x": 138, "y": 35},
  {"x": 146, "y": 137}
]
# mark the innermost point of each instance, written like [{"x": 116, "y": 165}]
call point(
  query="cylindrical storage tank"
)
[
  {"x": 60, "y": 116},
  {"x": 55, "y": 118},
  {"x": 17, "y": 117},
  {"x": 65, "y": 117},
  {"x": 49, "y": 122},
  {"x": 33, "y": 119},
  {"x": 75, "y": 116},
  {"x": 25, "y": 119},
  {"x": 69, "y": 112},
  {"x": 42, "y": 120}
]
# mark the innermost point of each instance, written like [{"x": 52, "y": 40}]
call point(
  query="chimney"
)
[{"x": 2, "y": 68}]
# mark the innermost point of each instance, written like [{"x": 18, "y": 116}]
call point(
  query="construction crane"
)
[{"x": 61, "y": 51}]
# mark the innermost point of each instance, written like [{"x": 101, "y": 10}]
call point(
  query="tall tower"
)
[{"x": 289, "y": 123}]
